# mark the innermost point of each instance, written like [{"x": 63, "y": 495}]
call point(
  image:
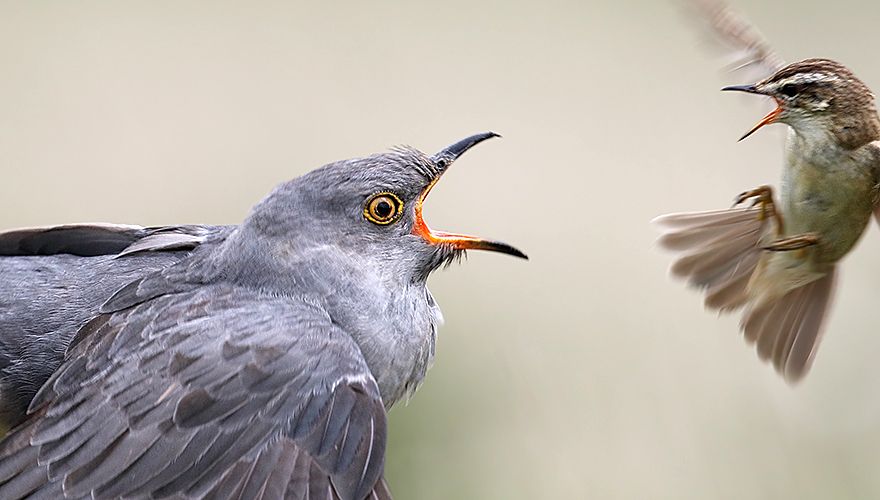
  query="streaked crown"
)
[{"x": 824, "y": 93}]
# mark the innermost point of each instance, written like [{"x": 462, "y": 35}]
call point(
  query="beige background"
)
[{"x": 584, "y": 373}]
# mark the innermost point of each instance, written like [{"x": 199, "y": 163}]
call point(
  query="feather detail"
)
[
  {"x": 90, "y": 240},
  {"x": 788, "y": 330},
  {"x": 718, "y": 251},
  {"x": 785, "y": 298}
]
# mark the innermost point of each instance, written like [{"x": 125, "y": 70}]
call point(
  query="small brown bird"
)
[{"x": 777, "y": 259}]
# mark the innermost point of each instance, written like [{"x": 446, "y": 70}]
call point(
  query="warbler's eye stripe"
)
[{"x": 383, "y": 208}]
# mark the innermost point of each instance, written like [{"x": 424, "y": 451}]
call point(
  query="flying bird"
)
[
  {"x": 775, "y": 253},
  {"x": 247, "y": 361}
]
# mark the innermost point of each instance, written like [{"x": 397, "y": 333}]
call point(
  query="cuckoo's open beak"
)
[
  {"x": 458, "y": 241},
  {"x": 772, "y": 117}
]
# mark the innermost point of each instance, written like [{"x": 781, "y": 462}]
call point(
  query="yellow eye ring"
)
[{"x": 383, "y": 208}]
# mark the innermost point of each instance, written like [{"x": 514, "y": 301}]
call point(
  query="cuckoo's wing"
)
[
  {"x": 89, "y": 240},
  {"x": 53, "y": 279},
  {"x": 213, "y": 393},
  {"x": 747, "y": 51}
]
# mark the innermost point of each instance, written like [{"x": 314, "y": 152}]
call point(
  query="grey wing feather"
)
[
  {"x": 169, "y": 238},
  {"x": 90, "y": 240},
  {"x": 215, "y": 392},
  {"x": 53, "y": 279},
  {"x": 748, "y": 49},
  {"x": 86, "y": 240}
]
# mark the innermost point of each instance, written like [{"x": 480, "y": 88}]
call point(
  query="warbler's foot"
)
[
  {"x": 760, "y": 193},
  {"x": 793, "y": 243},
  {"x": 762, "y": 196}
]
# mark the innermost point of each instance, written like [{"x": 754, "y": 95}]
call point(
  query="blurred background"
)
[{"x": 583, "y": 373}]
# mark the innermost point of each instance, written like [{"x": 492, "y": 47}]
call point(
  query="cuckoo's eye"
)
[{"x": 383, "y": 208}]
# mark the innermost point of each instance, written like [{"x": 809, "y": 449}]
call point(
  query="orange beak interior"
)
[
  {"x": 771, "y": 117},
  {"x": 457, "y": 241}
]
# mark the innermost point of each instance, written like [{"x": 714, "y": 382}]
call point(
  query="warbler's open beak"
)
[
  {"x": 771, "y": 117},
  {"x": 458, "y": 241}
]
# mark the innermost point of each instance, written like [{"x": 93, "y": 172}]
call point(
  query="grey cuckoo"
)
[{"x": 248, "y": 361}]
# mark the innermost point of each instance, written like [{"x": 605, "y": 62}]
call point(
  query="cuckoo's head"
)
[
  {"x": 369, "y": 211},
  {"x": 819, "y": 97}
]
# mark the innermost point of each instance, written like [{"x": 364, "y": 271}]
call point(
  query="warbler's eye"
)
[
  {"x": 383, "y": 208},
  {"x": 790, "y": 89}
]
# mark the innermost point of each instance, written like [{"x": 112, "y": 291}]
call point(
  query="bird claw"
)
[
  {"x": 762, "y": 196},
  {"x": 793, "y": 243}
]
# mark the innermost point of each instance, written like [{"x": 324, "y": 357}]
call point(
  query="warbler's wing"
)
[
  {"x": 718, "y": 251},
  {"x": 746, "y": 50},
  {"x": 217, "y": 392}
]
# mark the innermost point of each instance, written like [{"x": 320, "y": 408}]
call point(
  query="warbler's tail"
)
[{"x": 787, "y": 329}]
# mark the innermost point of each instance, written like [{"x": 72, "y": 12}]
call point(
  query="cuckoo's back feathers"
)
[
  {"x": 90, "y": 240},
  {"x": 53, "y": 279}
]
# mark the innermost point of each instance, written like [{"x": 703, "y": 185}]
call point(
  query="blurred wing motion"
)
[
  {"x": 746, "y": 48},
  {"x": 721, "y": 253},
  {"x": 216, "y": 392},
  {"x": 788, "y": 329}
]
